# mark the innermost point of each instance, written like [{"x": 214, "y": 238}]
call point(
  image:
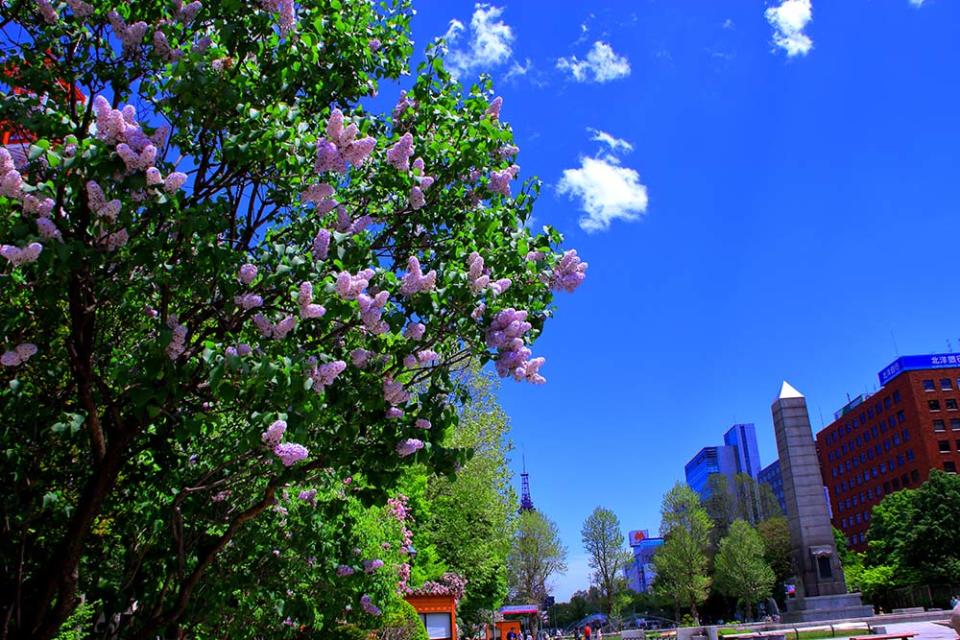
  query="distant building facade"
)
[
  {"x": 771, "y": 476},
  {"x": 738, "y": 454},
  {"x": 640, "y": 573},
  {"x": 890, "y": 440}
]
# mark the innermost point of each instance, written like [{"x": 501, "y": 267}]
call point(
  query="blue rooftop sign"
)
[{"x": 913, "y": 363}]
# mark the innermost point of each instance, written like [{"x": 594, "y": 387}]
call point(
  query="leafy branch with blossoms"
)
[{"x": 223, "y": 280}]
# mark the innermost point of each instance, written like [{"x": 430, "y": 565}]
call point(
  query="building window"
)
[
  {"x": 955, "y": 424},
  {"x": 946, "y": 384},
  {"x": 870, "y": 413},
  {"x": 951, "y": 404},
  {"x": 896, "y": 439},
  {"x": 929, "y": 386},
  {"x": 901, "y": 417},
  {"x": 940, "y": 425},
  {"x": 896, "y": 396},
  {"x": 934, "y": 405},
  {"x": 911, "y": 456},
  {"x": 944, "y": 446},
  {"x": 886, "y": 402},
  {"x": 905, "y": 434},
  {"x": 437, "y": 625},
  {"x": 949, "y": 467},
  {"x": 900, "y": 461},
  {"x": 915, "y": 475},
  {"x": 874, "y": 431},
  {"x": 883, "y": 467},
  {"x": 886, "y": 487},
  {"x": 958, "y": 445},
  {"x": 896, "y": 484}
]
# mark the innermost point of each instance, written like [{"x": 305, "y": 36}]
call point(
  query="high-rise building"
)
[
  {"x": 640, "y": 572},
  {"x": 743, "y": 439},
  {"x": 771, "y": 476},
  {"x": 889, "y": 440},
  {"x": 708, "y": 462},
  {"x": 738, "y": 454}
]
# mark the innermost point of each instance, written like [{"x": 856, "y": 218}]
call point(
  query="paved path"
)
[{"x": 924, "y": 630}]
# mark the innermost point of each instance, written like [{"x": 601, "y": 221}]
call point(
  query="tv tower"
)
[{"x": 526, "y": 502}]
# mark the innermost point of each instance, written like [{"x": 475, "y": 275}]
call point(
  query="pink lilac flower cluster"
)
[
  {"x": 247, "y": 273},
  {"x": 422, "y": 423},
  {"x": 248, "y": 301},
  {"x": 137, "y": 150},
  {"x": 403, "y": 578},
  {"x": 350, "y": 287},
  {"x": 404, "y": 102},
  {"x": 320, "y": 195},
  {"x": 309, "y": 495},
  {"x": 344, "y": 570},
  {"x": 290, "y": 453},
  {"x": 394, "y": 393},
  {"x": 275, "y": 330},
  {"x": 398, "y": 156},
  {"x": 17, "y": 256},
  {"x": 417, "y": 199},
  {"x": 178, "y": 342},
  {"x": 97, "y": 202},
  {"x": 500, "y": 180},
  {"x": 568, "y": 273},
  {"x": 408, "y": 447},
  {"x": 274, "y": 433},
  {"x": 324, "y": 375},
  {"x": 505, "y": 334},
  {"x": 18, "y": 355},
  {"x": 371, "y": 311},
  {"x": 113, "y": 241},
  {"x": 397, "y": 507},
  {"x": 508, "y": 151},
  {"x": 221, "y": 496},
  {"x": 130, "y": 35},
  {"x": 80, "y": 8},
  {"x": 341, "y": 146},
  {"x": 374, "y": 44},
  {"x": 321, "y": 245},
  {"x": 366, "y": 603},
  {"x": 287, "y": 11},
  {"x": 346, "y": 224},
  {"x": 369, "y": 566},
  {"x": 415, "y": 330},
  {"x": 415, "y": 281},
  {"x": 449, "y": 584},
  {"x": 162, "y": 47},
  {"x": 186, "y": 13},
  {"x": 360, "y": 357},
  {"x": 305, "y": 299},
  {"x": 49, "y": 14},
  {"x": 241, "y": 349},
  {"x": 493, "y": 109},
  {"x": 479, "y": 276}
]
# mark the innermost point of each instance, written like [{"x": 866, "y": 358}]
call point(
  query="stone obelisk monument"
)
[{"x": 821, "y": 589}]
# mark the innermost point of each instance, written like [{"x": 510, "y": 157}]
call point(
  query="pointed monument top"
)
[{"x": 787, "y": 391}]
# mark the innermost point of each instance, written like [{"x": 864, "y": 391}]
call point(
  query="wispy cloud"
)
[
  {"x": 788, "y": 20},
  {"x": 917, "y": 3},
  {"x": 602, "y": 64},
  {"x": 613, "y": 143},
  {"x": 607, "y": 191},
  {"x": 489, "y": 41},
  {"x": 728, "y": 23}
]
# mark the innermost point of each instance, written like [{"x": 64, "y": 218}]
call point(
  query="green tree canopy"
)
[
  {"x": 777, "y": 549},
  {"x": 741, "y": 571},
  {"x": 681, "y": 562},
  {"x": 535, "y": 556},
  {"x": 603, "y": 540},
  {"x": 233, "y": 303}
]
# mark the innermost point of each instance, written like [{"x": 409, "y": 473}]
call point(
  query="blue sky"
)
[{"x": 786, "y": 208}]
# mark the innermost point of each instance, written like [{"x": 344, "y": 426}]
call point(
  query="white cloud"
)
[
  {"x": 917, "y": 3},
  {"x": 602, "y": 64},
  {"x": 518, "y": 70},
  {"x": 728, "y": 23},
  {"x": 788, "y": 21},
  {"x": 606, "y": 190},
  {"x": 612, "y": 142},
  {"x": 489, "y": 45}
]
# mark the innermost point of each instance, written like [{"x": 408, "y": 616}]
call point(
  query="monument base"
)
[{"x": 824, "y": 608}]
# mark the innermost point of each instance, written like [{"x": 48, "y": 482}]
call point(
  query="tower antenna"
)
[{"x": 526, "y": 502}]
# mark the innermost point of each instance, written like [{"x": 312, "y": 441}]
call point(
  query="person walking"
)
[
  {"x": 599, "y": 633},
  {"x": 586, "y": 631}
]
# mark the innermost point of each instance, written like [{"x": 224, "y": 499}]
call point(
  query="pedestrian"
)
[
  {"x": 599, "y": 633},
  {"x": 511, "y": 635},
  {"x": 576, "y": 633},
  {"x": 529, "y": 635},
  {"x": 587, "y": 631}
]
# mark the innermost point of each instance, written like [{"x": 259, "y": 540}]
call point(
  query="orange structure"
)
[
  {"x": 438, "y": 613},
  {"x": 502, "y": 627}
]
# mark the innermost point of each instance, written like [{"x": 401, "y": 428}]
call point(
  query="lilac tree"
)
[{"x": 228, "y": 290}]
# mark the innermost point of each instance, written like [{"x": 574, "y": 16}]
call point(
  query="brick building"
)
[{"x": 889, "y": 440}]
